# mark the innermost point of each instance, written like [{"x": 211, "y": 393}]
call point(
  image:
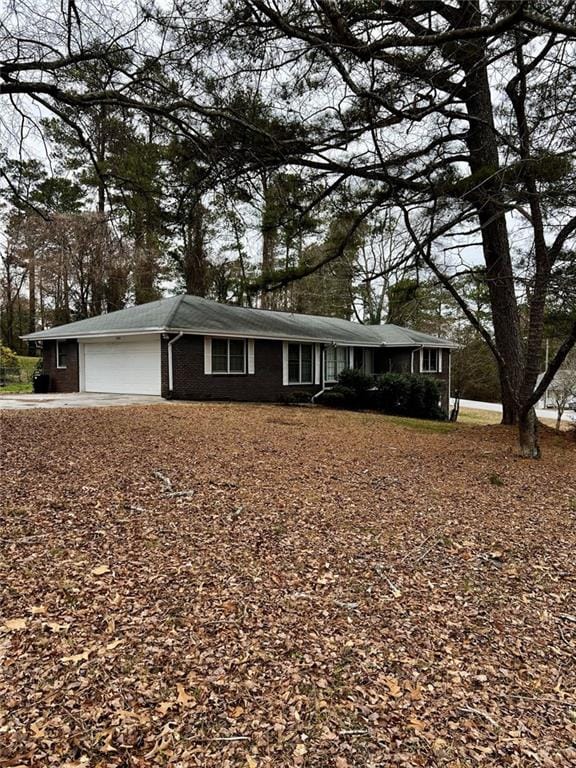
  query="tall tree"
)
[{"x": 457, "y": 113}]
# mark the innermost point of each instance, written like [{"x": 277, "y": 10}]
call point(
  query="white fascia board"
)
[
  {"x": 271, "y": 337},
  {"x": 229, "y": 334},
  {"x": 94, "y": 335}
]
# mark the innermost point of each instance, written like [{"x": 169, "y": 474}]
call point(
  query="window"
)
[
  {"x": 60, "y": 354},
  {"x": 336, "y": 362},
  {"x": 430, "y": 361},
  {"x": 300, "y": 365},
  {"x": 228, "y": 356}
]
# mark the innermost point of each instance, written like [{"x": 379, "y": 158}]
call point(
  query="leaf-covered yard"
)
[{"x": 213, "y": 585}]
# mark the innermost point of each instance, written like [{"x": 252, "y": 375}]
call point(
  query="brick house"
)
[{"x": 187, "y": 347}]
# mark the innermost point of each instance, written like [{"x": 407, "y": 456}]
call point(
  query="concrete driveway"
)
[{"x": 73, "y": 400}]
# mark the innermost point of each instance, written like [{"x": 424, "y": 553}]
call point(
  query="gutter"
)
[
  {"x": 412, "y": 357},
  {"x": 170, "y": 368}
]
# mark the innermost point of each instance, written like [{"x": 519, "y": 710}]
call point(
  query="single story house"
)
[
  {"x": 562, "y": 389},
  {"x": 190, "y": 348}
]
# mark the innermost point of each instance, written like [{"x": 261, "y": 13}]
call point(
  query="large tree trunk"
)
[
  {"x": 195, "y": 263},
  {"x": 145, "y": 262},
  {"x": 269, "y": 228},
  {"x": 528, "y": 428},
  {"x": 31, "y": 301},
  {"x": 484, "y": 165}
]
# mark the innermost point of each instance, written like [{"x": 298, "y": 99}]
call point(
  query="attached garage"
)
[{"x": 125, "y": 365}]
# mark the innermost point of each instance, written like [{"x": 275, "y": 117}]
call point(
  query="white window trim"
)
[
  {"x": 285, "y": 366},
  {"x": 207, "y": 355},
  {"x": 285, "y": 363},
  {"x": 58, "y": 365},
  {"x": 349, "y": 357},
  {"x": 250, "y": 353},
  {"x": 438, "y": 368},
  {"x": 228, "y": 372}
]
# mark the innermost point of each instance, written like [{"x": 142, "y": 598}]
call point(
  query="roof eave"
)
[{"x": 49, "y": 336}]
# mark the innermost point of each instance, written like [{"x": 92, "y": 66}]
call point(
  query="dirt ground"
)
[{"x": 236, "y": 585}]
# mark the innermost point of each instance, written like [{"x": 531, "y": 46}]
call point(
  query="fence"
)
[{"x": 16, "y": 375}]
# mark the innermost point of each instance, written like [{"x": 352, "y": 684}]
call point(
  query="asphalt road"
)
[{"x": 542, "y": 413}]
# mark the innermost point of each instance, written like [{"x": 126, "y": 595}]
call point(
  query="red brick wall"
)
[
  {"x": 191, "y": 383},
  {"x": 61, "y": 379}
]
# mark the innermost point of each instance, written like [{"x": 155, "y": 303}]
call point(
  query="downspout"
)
[
  {"x": 170, "y": 368},
  {"x": 412, "y": 358},
  {"x": 322, "y": 369}
]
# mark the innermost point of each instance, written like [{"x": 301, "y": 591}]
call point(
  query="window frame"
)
[
  {"x": 312, "y": 363},
  {"x": 229, "y": 372},
  {"x": 336, "y": 349},
  {"x": 59, "y": 357},
  {"x": 438, "y": 364}
]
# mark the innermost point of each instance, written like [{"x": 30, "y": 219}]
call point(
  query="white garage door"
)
[{"x": 125, "y": 366}]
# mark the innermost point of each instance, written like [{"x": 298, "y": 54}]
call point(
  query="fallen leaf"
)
[
  {"x": 100, "y": 570},
  {"x": 183, "y": 697},
  {"x": 11, "y": 625},
  {"x": 53, "y": 626},
  {"x": 393, "y": 687},
  {"x": 84, "y": 656},
  {"x": 418, "y": 725}
]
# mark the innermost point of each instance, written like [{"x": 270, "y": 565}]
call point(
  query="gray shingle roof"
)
[{"x": 193, "y": 314}]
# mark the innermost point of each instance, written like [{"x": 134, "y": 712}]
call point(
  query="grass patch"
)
[
  {"x": 17, "y": 388},
  {"x": 21, "y": 380},
  {"x": 421, "y": 425},
  {"x": 478, "y": 418}
]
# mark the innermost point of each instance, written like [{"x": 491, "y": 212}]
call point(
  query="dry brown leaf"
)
[
  {"x": 227, "y": 604},
  {"x": 100, "y": 570},
  {"x": 12, "y": 625},
  {"x": 84, "y": 656},
  {"x": 53, "y": 626},
  {"x": 183, "y": 697},
  {"x": 393, "y": 686}
]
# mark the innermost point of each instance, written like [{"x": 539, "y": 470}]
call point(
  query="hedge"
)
[{"x": 399, "y": 394}]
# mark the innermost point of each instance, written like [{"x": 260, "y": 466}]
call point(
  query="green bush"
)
[
  {"x": 355, "y": 380},
  {"x": 405, "y": 394},
  {"x": 338, "y": 397},
  {"x": 399, "y": 394},
  {"x": 8, "y": 358}
]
